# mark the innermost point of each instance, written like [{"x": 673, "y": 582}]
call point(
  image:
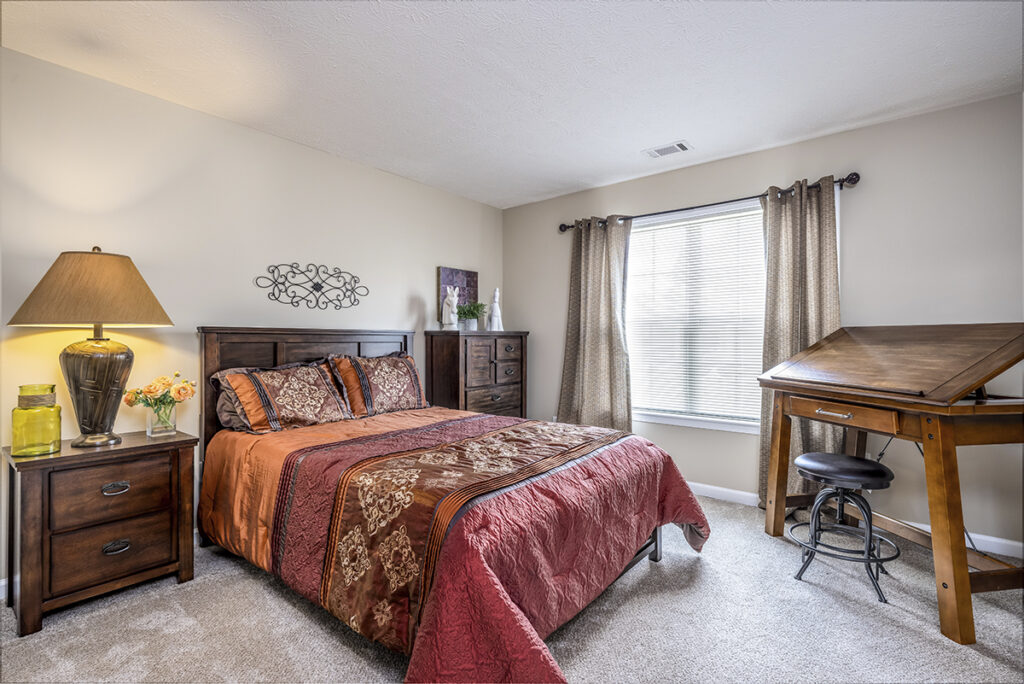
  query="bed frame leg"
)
[{"x": 655, "y": 554}]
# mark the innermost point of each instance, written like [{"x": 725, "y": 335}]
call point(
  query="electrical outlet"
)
[{"x": 554, "y": 419}]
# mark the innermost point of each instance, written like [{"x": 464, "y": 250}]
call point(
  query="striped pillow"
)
[
  {"x": 380, "y": 384},
  {"x": 270, "y": 399}
]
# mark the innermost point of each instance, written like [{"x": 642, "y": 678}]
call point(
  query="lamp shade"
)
[{"x": 91, "y": 288}]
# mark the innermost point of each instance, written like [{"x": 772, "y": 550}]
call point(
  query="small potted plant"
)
[
  {"x": 162, "y": 395},
  {"x": 471, "y": 313}
]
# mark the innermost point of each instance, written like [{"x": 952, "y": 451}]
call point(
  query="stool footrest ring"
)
[{"x": 854, "y": 555}]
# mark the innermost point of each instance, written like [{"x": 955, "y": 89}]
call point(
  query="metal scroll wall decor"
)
[{"x": 315, "y": 285}]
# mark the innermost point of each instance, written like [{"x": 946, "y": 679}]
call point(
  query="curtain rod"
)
[{"x": 851, "y": 179}]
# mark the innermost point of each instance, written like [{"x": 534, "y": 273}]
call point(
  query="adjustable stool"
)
[{"x": 842, "y": 475}]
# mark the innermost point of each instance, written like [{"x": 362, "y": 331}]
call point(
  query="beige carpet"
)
[{"x": 732, "y": 614}]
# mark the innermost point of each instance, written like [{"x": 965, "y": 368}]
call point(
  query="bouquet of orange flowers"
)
[{"x": 162, "y": 395}]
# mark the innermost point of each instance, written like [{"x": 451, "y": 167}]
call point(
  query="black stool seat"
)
[{"x": 840, "y": 470}]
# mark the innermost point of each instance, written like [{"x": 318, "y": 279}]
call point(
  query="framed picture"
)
[{"x": 466, "y": 281}]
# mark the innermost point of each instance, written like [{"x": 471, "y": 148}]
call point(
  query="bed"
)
[{"x": 460, "y": 539}]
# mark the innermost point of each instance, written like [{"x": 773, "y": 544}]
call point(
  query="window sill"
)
[{"x": 724, "y": 424}]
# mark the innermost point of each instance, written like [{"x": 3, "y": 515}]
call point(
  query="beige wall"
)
[
  {"x": 932, "y": 234},
  {"x": 202, "y": 206}
]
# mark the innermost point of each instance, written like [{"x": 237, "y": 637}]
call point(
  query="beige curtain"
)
[
  {"x": 595, "y": 369},
  {"x": 802, "y": 304}
]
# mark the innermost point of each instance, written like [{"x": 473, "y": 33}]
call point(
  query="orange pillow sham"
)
[
  {"x": 381, "y": 384},
  {"x": 272, "y": 399}
]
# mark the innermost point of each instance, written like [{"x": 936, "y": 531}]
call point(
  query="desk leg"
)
[
  {"x": 952, "y": 581},
  {"x": 778, "y": 469},
  {"x": 855, "y": 442}
]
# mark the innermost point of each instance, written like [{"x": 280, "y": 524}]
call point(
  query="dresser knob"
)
[
  {"x": 115, "y": 547},
  {"x": 509, "y": 347},
  {"x": 510, "y": 371},
  {"x": 495, "y": 397},
  {"x": 116, "y": 488}
]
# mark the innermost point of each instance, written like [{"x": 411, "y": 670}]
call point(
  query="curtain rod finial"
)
[
  {"x": 852, "y": 178},
  {"x": 563, "y": 227}
]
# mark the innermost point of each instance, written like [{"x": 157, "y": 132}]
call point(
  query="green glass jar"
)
[{"x": 36, "y": 421}]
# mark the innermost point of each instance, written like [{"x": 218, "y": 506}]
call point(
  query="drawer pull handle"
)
[
  {"x": 495, "y": 397},
  {"x": 510, "y": 371},
  {"x": 509, "y": 347},
  {"x": 823, "y": 412},
  {"x": 116, "y": 488},
  {"x": 115, "y": 547}
]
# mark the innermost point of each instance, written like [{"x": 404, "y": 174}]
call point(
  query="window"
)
[{"x": 695, "y": 316}]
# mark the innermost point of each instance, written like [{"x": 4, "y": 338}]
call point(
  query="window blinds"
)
[{"x": 695, "y": 312}]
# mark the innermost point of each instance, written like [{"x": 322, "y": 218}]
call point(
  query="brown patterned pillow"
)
[
  {"x": 271, "y": 399},
  {"x": 380, "y": 384}
]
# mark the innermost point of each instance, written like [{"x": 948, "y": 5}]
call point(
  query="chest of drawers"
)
[
  {"x": 83, "y": 522},
  {"x": 477, "y": 371}
]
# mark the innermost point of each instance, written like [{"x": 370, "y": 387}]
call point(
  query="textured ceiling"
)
[{"x": 508, "y": 103}]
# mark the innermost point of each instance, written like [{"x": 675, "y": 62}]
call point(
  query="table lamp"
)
[{"x": 84, "y": 289}]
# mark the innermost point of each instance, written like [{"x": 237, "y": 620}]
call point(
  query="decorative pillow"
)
[
  {"x": 380, "y": 384},
  {"x": 271, "y": 399}
]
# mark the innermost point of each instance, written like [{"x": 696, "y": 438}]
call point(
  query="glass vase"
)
[
  {"x": 162, "y": 422},
  {"x": 35, "y": 421}
]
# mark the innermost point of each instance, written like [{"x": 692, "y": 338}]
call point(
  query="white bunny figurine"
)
[{"x": 449, "y": 317}]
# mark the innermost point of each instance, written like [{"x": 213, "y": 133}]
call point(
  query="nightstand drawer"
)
[
  {"x": 498, "y": 400},
  {"x": 85, "y": 496},
  {"x": 96, "y": 554}
]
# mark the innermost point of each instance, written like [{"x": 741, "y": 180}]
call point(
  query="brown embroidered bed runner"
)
[{"x": 368, "y": 556}]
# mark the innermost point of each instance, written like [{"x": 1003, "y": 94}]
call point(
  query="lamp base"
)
[
  {"x": 96, "y": 371},
  {"x": 97, "y": 440}
]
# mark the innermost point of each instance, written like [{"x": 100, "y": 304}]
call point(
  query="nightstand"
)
[{"x": 84, "y": 522}]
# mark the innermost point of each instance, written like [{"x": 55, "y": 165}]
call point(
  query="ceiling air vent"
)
[{"x": 665, "y": 150}]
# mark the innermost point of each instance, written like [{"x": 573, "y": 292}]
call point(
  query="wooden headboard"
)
[{"x": 265, "y": 347}]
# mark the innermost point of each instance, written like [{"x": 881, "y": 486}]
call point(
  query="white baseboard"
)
[
  {"x": 724, "y": 493},
  {"x": 985, "y": 543}
]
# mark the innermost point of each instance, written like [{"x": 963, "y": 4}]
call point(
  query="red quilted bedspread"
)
[{"x": 518, "y": 561}]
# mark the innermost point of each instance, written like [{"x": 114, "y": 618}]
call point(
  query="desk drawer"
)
[
  {"x": 94, "y": 494},
  {"x": 850, "y": 415}
]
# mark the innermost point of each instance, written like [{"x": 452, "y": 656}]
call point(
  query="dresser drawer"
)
[
  {"x": 479, "y": 362},
  {"x": 498, "y": 400},
  {"x": 89, "y": 495},
  {"x": 508, "y": 372},
  {"x": 97, "y": 554},
  {"x": 509, "y": 348},
  {"x": 872, "y": 419}
]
